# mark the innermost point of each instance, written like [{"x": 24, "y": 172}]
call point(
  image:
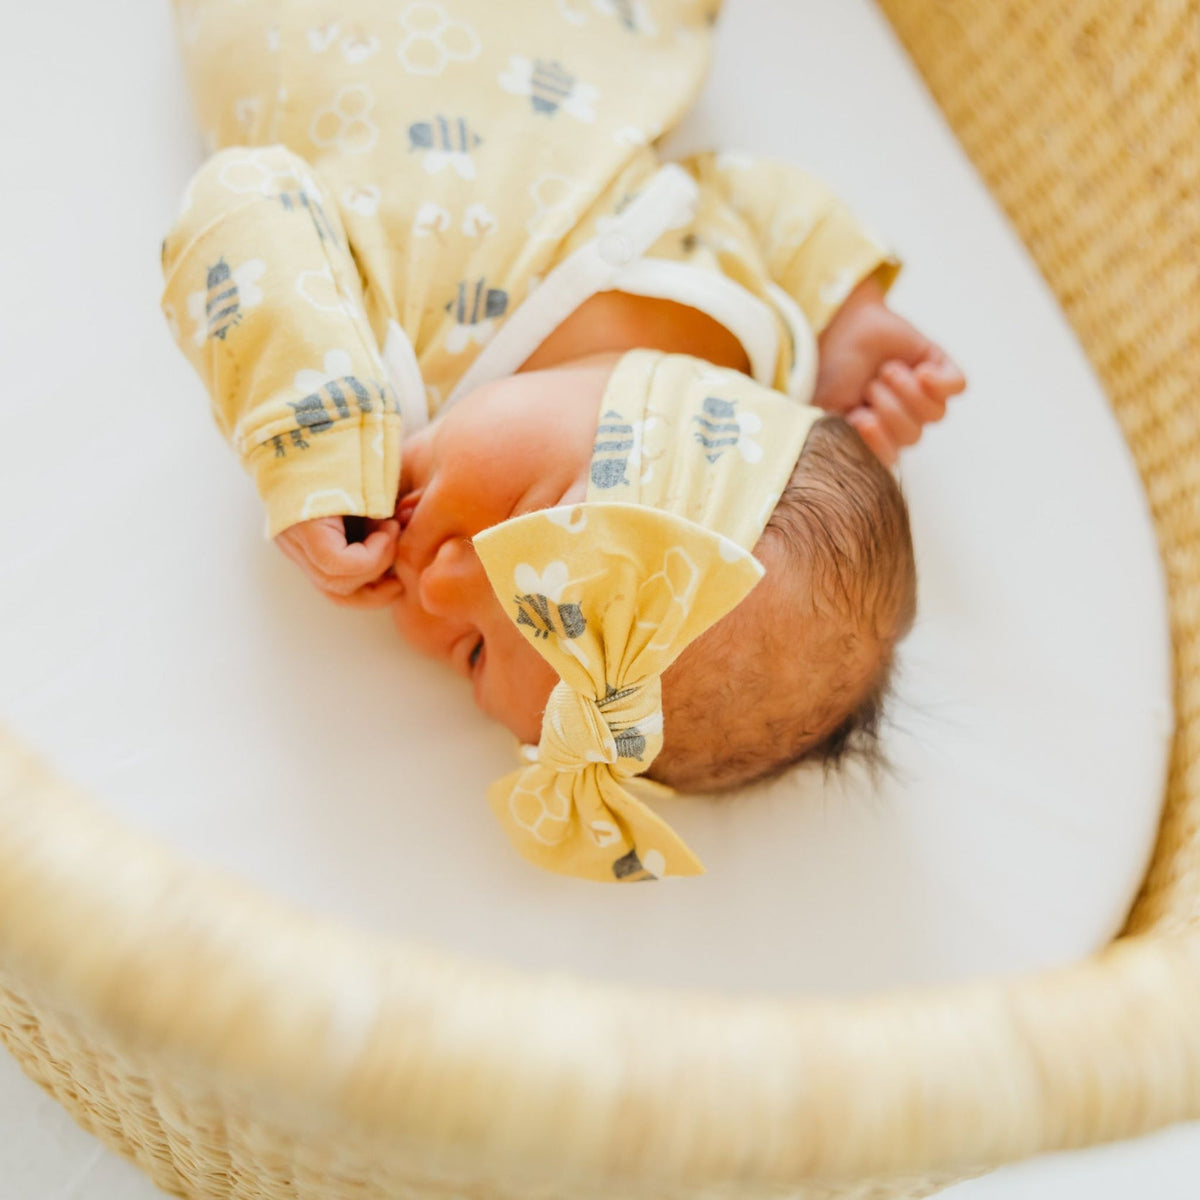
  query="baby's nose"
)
[{"x": 449, "y": 586}]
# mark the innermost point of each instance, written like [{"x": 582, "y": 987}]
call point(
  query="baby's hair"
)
[{"x": 801, "y": 671}]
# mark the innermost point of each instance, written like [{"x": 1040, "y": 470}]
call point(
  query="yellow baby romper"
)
[{"x": 407, "y": 196}]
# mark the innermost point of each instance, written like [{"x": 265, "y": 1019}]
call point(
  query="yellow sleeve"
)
[
  {"x": 813, "y": 246},
  {"x": 264, "y": 298}
]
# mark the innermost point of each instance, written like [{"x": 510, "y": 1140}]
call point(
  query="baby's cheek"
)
[{"x": 416, "y": 630}]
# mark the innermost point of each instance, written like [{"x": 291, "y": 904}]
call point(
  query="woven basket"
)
[{"x": 234, "y": 1048}]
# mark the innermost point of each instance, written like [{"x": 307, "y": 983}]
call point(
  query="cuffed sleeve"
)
[{"x": 263, "y": 296}]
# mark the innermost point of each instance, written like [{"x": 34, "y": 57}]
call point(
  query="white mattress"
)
[{"x": 162, "y": 653}]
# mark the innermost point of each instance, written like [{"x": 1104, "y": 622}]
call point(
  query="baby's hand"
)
[
  {"x": 902, "y": 398},
  {"x": 355, "y": 574},
  {"x": 885, "y": 377}
]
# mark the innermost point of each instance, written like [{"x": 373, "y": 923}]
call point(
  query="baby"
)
[{"x": 455, "y": 210}]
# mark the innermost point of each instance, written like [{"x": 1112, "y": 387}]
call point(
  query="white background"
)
[{"x": 145, "y": 625}]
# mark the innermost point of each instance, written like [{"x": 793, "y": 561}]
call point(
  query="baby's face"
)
[{"x": 512, "y": 447}]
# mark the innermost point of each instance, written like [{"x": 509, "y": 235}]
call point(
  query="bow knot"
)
[
  {"x": 608, "y": 594},
  {"x": 621, "y": 729}
]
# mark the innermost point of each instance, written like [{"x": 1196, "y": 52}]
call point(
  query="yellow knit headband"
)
[{"x": 688, "y": 464}]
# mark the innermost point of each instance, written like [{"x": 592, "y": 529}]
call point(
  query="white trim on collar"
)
[
  {"x": 727, "y": 302},
  {"x": 666, "y": 202},
  {"x": 802, "y": 381}
]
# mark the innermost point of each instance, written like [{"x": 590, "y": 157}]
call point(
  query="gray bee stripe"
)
[
  {"x": 556, "y": 85},
  {"x": 613, "y": 447},
  {"x": 572, "y": 619},
  {"x": 230, "y": 293},
  {"x": 360, "y": 393},
  {"x": 718, "y": 426},
  {"x": 338, "y": 397}
]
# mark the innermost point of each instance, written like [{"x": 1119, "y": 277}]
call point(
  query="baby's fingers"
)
[
  {"x": 940, "y": 377},
  {"x": 338, "y": 566},
  {"x": 377, "y": 551},
  {"x": 922, "y": 406},
  {"x": 333, "y": 556},
  {"x": 902, "y": 429}
]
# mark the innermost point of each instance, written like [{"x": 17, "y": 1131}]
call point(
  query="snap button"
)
[{"x": 616, "y": 249}]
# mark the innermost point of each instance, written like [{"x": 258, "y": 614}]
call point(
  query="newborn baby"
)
[
  {"x": 478, "y": 230},
  {"x": 837, "y": 546},
  {"x": 794, "y": 671}
]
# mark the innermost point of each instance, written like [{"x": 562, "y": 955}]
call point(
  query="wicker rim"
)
[{"x": 191, "y": 966}]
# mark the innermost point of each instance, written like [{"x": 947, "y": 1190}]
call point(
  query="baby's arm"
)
[
  {"x": 875, "y": 369},
  {"x": 264, "y": 297}
]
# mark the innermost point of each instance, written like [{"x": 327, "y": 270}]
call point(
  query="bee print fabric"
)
[
  {"x": 271, "y": 315},
  {"x": 689, "y": 462},
  {"x": 412, "y": 173},
  {"x": 701, "y": 441}
]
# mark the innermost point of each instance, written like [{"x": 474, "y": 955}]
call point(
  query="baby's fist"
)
[
  {"x": 904, "y": 397},
  {"x": 886, "y": 378},
  {"x": 355, "y": 574}
]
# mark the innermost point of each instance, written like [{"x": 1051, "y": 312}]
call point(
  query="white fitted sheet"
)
[{"x": 163, "y": 654}]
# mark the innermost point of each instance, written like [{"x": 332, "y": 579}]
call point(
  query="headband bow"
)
[{"x": 688, "y": 464}]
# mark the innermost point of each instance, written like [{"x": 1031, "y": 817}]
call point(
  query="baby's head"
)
[{"x": 797, "y": 670}]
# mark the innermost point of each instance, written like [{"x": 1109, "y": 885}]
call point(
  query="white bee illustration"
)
[
  {"x": 545, "y": 617},
  {"x": 447, "y": 142},
  {"x": 551, "y": 88},
  {"x": 476, "y": 309},
  {"x": 225, "y": 297},
  {"x": 331, "y": 395},
  {"x": 721, "y": 426},
  {"x": 620, "y": 448},
  {"x": 629, "y": 868},
  {"x": 616, "y": 444}
]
